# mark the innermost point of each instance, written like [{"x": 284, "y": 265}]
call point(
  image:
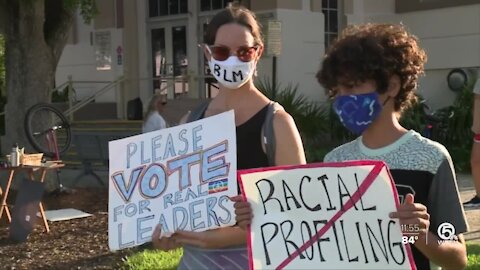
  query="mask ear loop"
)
[
  {"x": 386, "y": 100},
  {"x": 255, "y": 72},
  {"x": 208, "y": 49}
]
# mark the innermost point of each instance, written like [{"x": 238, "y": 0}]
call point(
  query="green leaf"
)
[{"x": 88, "y": 8}]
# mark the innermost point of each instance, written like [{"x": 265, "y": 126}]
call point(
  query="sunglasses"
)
[{"x": 221, "y": 53}]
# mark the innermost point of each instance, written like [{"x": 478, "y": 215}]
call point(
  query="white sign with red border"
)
[{"x": 324, "y": 216}]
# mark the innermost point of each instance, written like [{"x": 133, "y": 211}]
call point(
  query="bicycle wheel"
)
[{"x": 43, "y": 121}]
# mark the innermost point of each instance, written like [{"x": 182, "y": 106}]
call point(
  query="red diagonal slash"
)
[{"x": 349, "y": 204}]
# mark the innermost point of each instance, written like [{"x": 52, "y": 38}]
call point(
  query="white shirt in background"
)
[{"x": 154, "y": 122}]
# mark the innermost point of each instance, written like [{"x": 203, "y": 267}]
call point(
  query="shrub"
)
[
  {"x": 458, "y": 135},
  {"x": 414, "y": 117},
  {"x": 453, "y": 129}
]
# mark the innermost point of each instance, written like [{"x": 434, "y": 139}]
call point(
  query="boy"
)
[{"x": 372, "y": 72}]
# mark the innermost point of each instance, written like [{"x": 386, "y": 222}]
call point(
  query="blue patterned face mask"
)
[{"x": 357, "y": 112}]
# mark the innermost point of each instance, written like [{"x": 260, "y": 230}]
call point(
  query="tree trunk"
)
[
  {"x": 36, "y": 32},
  {"x": 32, "y": 52}
]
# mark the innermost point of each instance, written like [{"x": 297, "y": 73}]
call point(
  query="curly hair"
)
[{"x": 374, "y": 52}]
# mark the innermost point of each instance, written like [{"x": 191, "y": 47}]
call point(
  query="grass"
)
[
  {"x": 473, "y": 251},
  {"x": 152, "y": 259},
  {"x": 149, "y": 259}
]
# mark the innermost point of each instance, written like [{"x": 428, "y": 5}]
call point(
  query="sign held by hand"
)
[
  {"x": 180, "y": 177},
  {"x": 324, "y": 216}
]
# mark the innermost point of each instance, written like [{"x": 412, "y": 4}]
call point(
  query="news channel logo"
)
[{"x": 446, "y": 232}]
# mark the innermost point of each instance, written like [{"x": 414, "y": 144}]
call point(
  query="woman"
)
[
  {"x": 153, "y": 118},
  {"x": 233, "y": 46}
]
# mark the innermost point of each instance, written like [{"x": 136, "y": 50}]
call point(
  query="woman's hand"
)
[
  {"x": 243, "y": 211},
  {"x": 164, "y": 243},
  {"x": 206, "y": 239},
  {"x": 212, "y": 239},
  {"x": 410, "y": 213}
]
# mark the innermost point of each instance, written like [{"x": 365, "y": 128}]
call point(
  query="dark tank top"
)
[{"x": 249, "y": 146}]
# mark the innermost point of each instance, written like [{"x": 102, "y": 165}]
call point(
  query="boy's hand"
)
[
  {"x": 164, "y": 243},
  {"x": 243, "y": 211},
  {"x": 410, "y": 213}
]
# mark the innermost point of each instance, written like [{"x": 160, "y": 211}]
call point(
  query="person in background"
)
[
  {"x": 233, "y": 46},
  {"x": 475, "y": 155},
  {"x": 153, "y": 119}
]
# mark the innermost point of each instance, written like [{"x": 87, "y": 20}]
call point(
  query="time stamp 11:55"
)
[{"x": 410, "y": 233}]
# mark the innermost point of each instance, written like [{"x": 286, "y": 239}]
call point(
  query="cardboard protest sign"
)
[
  {"x": 180, "y": 177},
  {"x": 324, "y": 216}
]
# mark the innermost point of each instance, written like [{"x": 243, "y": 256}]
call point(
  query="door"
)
[
  {"x": 210, "y": 83},
  {"x": 169, "y": 58}
]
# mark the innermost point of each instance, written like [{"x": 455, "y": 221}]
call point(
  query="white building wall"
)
[
  {"x": 450, "y": 36},
  {"x": 143, "y": 53},
  {"x": 357, "y": 11},
  {"x": 78, "y": 61},
  {"x": 302, "y": 49}
]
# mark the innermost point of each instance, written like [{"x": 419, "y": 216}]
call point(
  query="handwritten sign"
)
[
  {"x": 324, "y": 216},
  {"x": 179, "y": 177}
]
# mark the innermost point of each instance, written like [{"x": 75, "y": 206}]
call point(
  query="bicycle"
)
[
  {"x": 436, "y": 122},
  {"x": 48, "y": 131},
  {"x": 42, "y": 124}
]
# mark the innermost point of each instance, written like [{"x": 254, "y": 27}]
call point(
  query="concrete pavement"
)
[{"x": 467, "y": 191}]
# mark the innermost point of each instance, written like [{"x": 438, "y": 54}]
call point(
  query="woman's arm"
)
[
  {"x": 213, "y": 239},
  {"x": 289, "y": 147},
  {"x": 289, "y": 151}
]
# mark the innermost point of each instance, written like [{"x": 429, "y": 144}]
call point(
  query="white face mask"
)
[{"x": 231, "y": 73}]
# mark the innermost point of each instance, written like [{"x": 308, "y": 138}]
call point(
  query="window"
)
[
  {"x": 183, "y": 6},
  {"x": 330, "y": 11},
  {"x": 153, "y": 8},
  {"x": 167, "y": 7},
  {"x": 158, "y": 53},
  {"x": 207, "y": 5}
]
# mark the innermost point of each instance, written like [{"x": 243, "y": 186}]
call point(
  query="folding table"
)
[{"x": 30, "y": 170}]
